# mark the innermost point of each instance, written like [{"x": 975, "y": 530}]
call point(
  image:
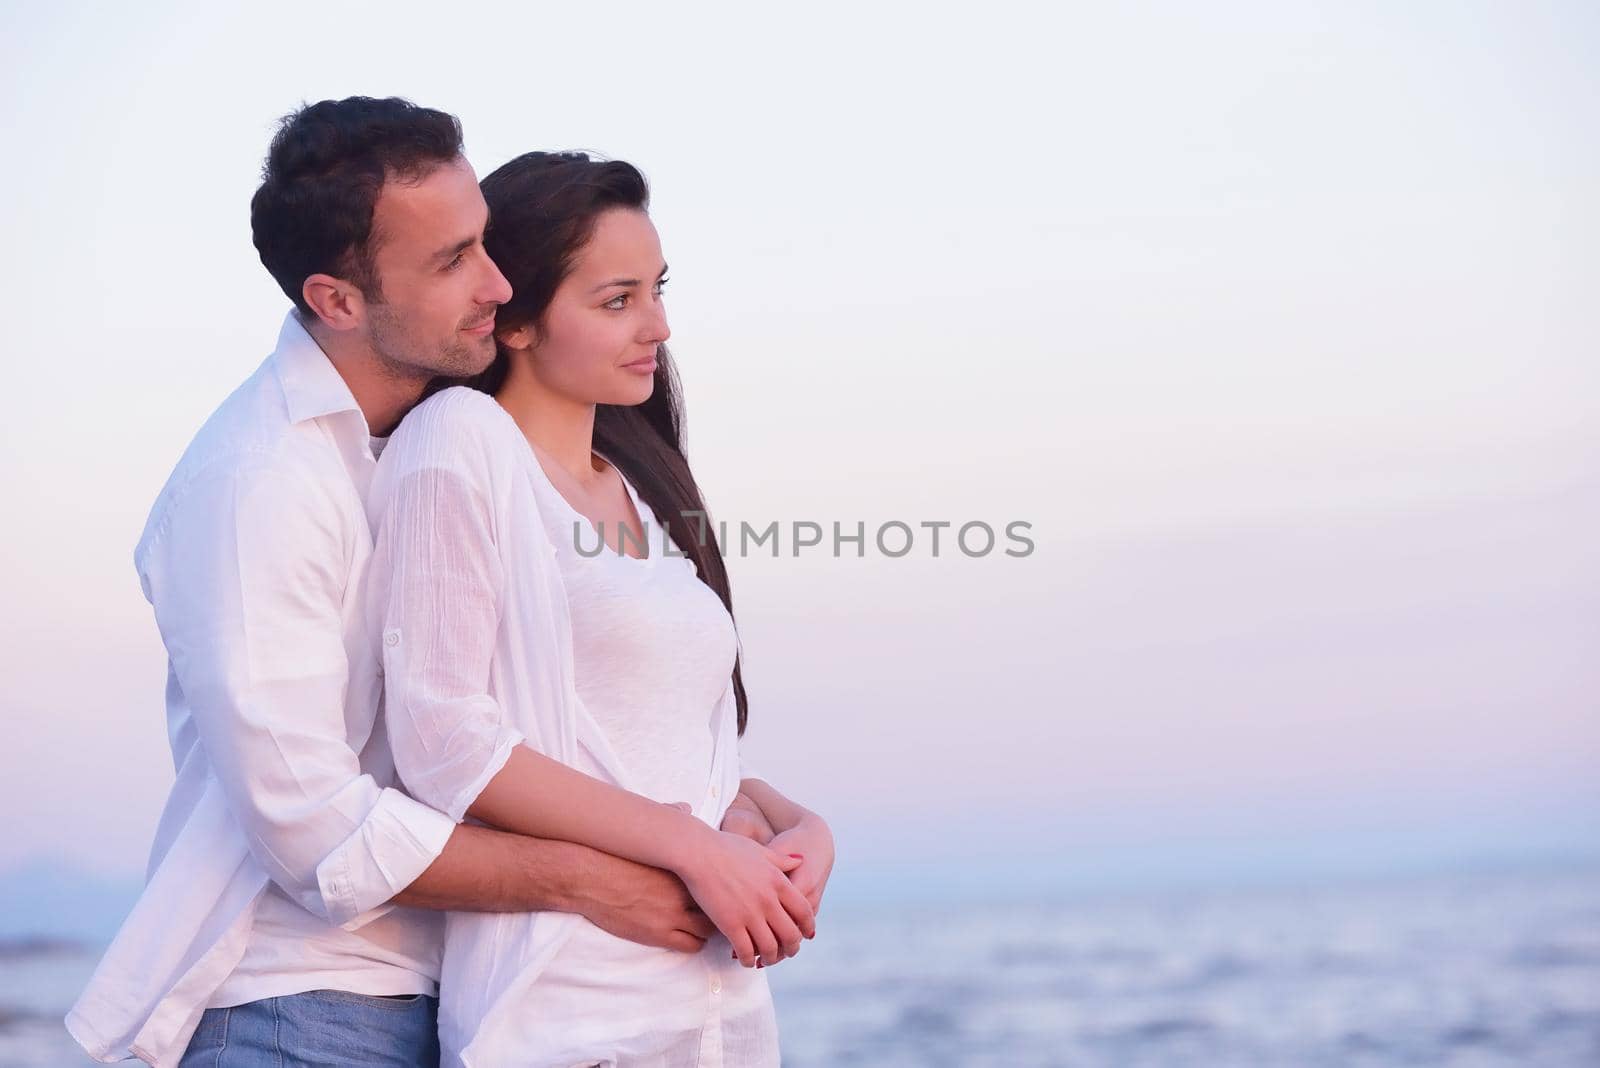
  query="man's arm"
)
[
  {"x": 247, "y": 576},
  {"x": 486, "y": 870}
]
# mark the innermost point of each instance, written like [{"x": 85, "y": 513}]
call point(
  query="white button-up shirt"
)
[
  {"x": 477, "y": 647},
  {"x": 254, "y": 560}
]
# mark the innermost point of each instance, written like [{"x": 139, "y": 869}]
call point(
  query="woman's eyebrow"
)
[{"x": 625, "y": 282}]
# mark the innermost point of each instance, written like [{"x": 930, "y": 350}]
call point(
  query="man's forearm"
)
[{"x": 485, "y": 870}]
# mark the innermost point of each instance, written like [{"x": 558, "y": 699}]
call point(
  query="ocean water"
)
[{"x": 1489, "y": 969}]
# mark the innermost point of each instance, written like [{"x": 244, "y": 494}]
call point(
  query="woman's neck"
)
[{"x": 563, "y": 429}]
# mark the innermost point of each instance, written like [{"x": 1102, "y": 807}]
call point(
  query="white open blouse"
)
[{"x": 466, "y": 590}]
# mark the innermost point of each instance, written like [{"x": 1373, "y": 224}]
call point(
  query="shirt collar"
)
[{"x": 312, "y": 386}]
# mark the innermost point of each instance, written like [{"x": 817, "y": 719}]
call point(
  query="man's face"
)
[{"x": 438, "y": 287}]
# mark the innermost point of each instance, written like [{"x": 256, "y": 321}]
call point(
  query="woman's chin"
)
[{"x": 632, "y": 393}]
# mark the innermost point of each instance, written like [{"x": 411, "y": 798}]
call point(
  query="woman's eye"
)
[
  {"x": 662, "y": 284},
  {"x": 616, "y": 302}
]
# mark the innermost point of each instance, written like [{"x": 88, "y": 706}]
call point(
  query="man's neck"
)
[
  {"x": 561, "y": 427},
  {"x": 383, "y": 395}
]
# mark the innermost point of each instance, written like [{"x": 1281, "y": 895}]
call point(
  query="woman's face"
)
[{"x": 597, "y": 341}]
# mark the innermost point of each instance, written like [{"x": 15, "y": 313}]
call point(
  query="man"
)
[{"x": 290, "y": 910}]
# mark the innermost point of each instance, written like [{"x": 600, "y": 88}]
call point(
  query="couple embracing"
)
[{"x": 453, "y": 686}]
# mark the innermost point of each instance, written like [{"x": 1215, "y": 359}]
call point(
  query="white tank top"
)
[
  {"x": 653, "y": 651},
  {"x": 653, "y": 648}
]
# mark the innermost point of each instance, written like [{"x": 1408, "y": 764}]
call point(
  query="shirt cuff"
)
[
  {"x": 507, "y": 739},
  {"x": 395, "y": 843}
]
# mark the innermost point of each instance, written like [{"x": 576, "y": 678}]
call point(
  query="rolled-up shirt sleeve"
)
[
  {"x": 248, "y": 579},
  {"x": 435, "y": 593}
]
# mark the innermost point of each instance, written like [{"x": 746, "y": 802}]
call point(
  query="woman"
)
[{"x": 544, "y": 687}]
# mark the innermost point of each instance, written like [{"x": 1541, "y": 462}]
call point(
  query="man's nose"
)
[{"x": 494, "y": 289}]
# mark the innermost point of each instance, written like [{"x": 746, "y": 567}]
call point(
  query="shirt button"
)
[
  {"x": 716, "y": 985},
  {"x": 392, "y": 638},
  {"x": 713, "y": 793}
]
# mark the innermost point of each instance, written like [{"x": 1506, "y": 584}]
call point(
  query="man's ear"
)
[{"x": 338, "y": 303}]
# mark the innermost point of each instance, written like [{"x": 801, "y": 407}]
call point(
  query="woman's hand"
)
[
  {"x": 743, "y": 888},
  {"x": 812, "y": 839}
]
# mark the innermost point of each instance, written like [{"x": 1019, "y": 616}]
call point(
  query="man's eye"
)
[{"x": 460, "y": 258}]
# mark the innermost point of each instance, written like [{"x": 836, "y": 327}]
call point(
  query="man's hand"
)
[
  {"x": 744, "y": 817},
  {"x": 646, "y": 905}
]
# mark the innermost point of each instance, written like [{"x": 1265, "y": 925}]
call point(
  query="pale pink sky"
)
[{"x": 1277, "y": 327}]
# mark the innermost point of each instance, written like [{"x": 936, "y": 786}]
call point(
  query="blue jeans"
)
[{"x": 320, "y": 1028}]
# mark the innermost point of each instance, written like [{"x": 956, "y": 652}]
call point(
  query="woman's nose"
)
[{"x": 658, "y": 329}]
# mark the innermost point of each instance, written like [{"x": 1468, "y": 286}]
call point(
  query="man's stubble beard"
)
[{"x": 405, "y": 356}]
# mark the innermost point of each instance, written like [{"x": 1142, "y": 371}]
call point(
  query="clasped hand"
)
[{"x": 766, "y": 926}]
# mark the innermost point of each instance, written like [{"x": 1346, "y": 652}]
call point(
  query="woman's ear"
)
[{"x": 521, "y": 339}]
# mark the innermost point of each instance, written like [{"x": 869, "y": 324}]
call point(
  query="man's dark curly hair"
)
[{"x": 326, "y": 166}]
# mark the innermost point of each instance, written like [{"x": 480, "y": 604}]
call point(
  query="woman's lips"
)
[{"x": 644, "y": 366}]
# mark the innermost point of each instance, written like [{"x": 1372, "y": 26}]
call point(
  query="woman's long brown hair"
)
[{"x": 542, "y": 211}]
